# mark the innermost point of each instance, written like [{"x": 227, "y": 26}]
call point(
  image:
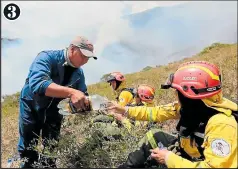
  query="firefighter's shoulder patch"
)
[{"x": 220, "y": 147}]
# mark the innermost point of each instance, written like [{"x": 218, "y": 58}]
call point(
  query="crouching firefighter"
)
[
  {"x": 118, "y": 83},
  {"x": 144, "y": 96},
  {"x": 207, "y": 127},
  {"x": 125, "y": 96}
]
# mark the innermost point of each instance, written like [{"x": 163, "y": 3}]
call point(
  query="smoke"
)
[
  {"x": 49, "y": 25},
  {"x": 161, "y": 35},
  {"x": 123, "y": 41}
]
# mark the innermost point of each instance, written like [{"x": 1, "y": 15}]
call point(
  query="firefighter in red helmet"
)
[{"x": 207, "y": 126}]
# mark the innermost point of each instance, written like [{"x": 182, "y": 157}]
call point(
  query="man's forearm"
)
[{"x": 55, "y": 90}]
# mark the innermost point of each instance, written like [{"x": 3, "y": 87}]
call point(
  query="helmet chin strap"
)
[{"x": 67, "y": 60}]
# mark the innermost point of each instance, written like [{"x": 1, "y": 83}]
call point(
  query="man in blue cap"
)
[{"x": 53, "y": 76}]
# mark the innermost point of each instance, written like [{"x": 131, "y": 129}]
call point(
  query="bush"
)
[
  {"x": 147, "y": 68},
  {"x": 82, "y": 146},
  {"x": 214, "y": 45},
  {"x": 75, "y": 148}
]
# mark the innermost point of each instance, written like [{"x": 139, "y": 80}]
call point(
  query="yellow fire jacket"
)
[
  {"x": 144, "y": 123},
  {"x": 220, "y": 143},
  {"x": 125, "y": 97}
]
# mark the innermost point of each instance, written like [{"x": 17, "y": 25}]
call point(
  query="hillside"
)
[
  {"x": 223, "y": 55},
  {"x": 76, "y": 130},
  {"x": 161, "y": 35},
  {"x": 167, "y": 34}
]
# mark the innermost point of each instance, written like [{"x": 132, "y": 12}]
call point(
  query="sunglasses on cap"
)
[{"x": 110, "y": 78}]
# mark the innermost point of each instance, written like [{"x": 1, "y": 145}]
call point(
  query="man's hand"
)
[
  {"x": 79, "y": 100},
  {"x": 159, "y": 155}
]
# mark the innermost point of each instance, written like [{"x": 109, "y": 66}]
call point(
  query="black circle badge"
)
[{"x": 11, "y": 11}]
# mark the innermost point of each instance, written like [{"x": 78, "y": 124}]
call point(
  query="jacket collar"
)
[{"x": 61, "y": 64}]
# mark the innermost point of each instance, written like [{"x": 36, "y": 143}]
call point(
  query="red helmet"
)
[
  {"x": 116, "y": 76},
  {"x": 196, "y": 80},
  {"x": 145, "y": 92}
]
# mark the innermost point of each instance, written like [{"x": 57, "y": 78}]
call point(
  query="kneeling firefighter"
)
[
  {"x": 143, "y": 95},
  {"x": 207, "y": 127}
]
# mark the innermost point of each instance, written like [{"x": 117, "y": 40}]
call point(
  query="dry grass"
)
[
  {"x": 76, "y": 132},
  {"x": 9, "y": 127},
  {"x": 223, "y": 55}
]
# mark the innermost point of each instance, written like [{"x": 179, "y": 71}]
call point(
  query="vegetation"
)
[
  {"x": 147, "y": 68},
  {"x": 80, "y": 145}
]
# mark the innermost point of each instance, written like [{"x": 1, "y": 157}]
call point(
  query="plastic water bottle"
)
[{"x": 97, "y": 102}]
